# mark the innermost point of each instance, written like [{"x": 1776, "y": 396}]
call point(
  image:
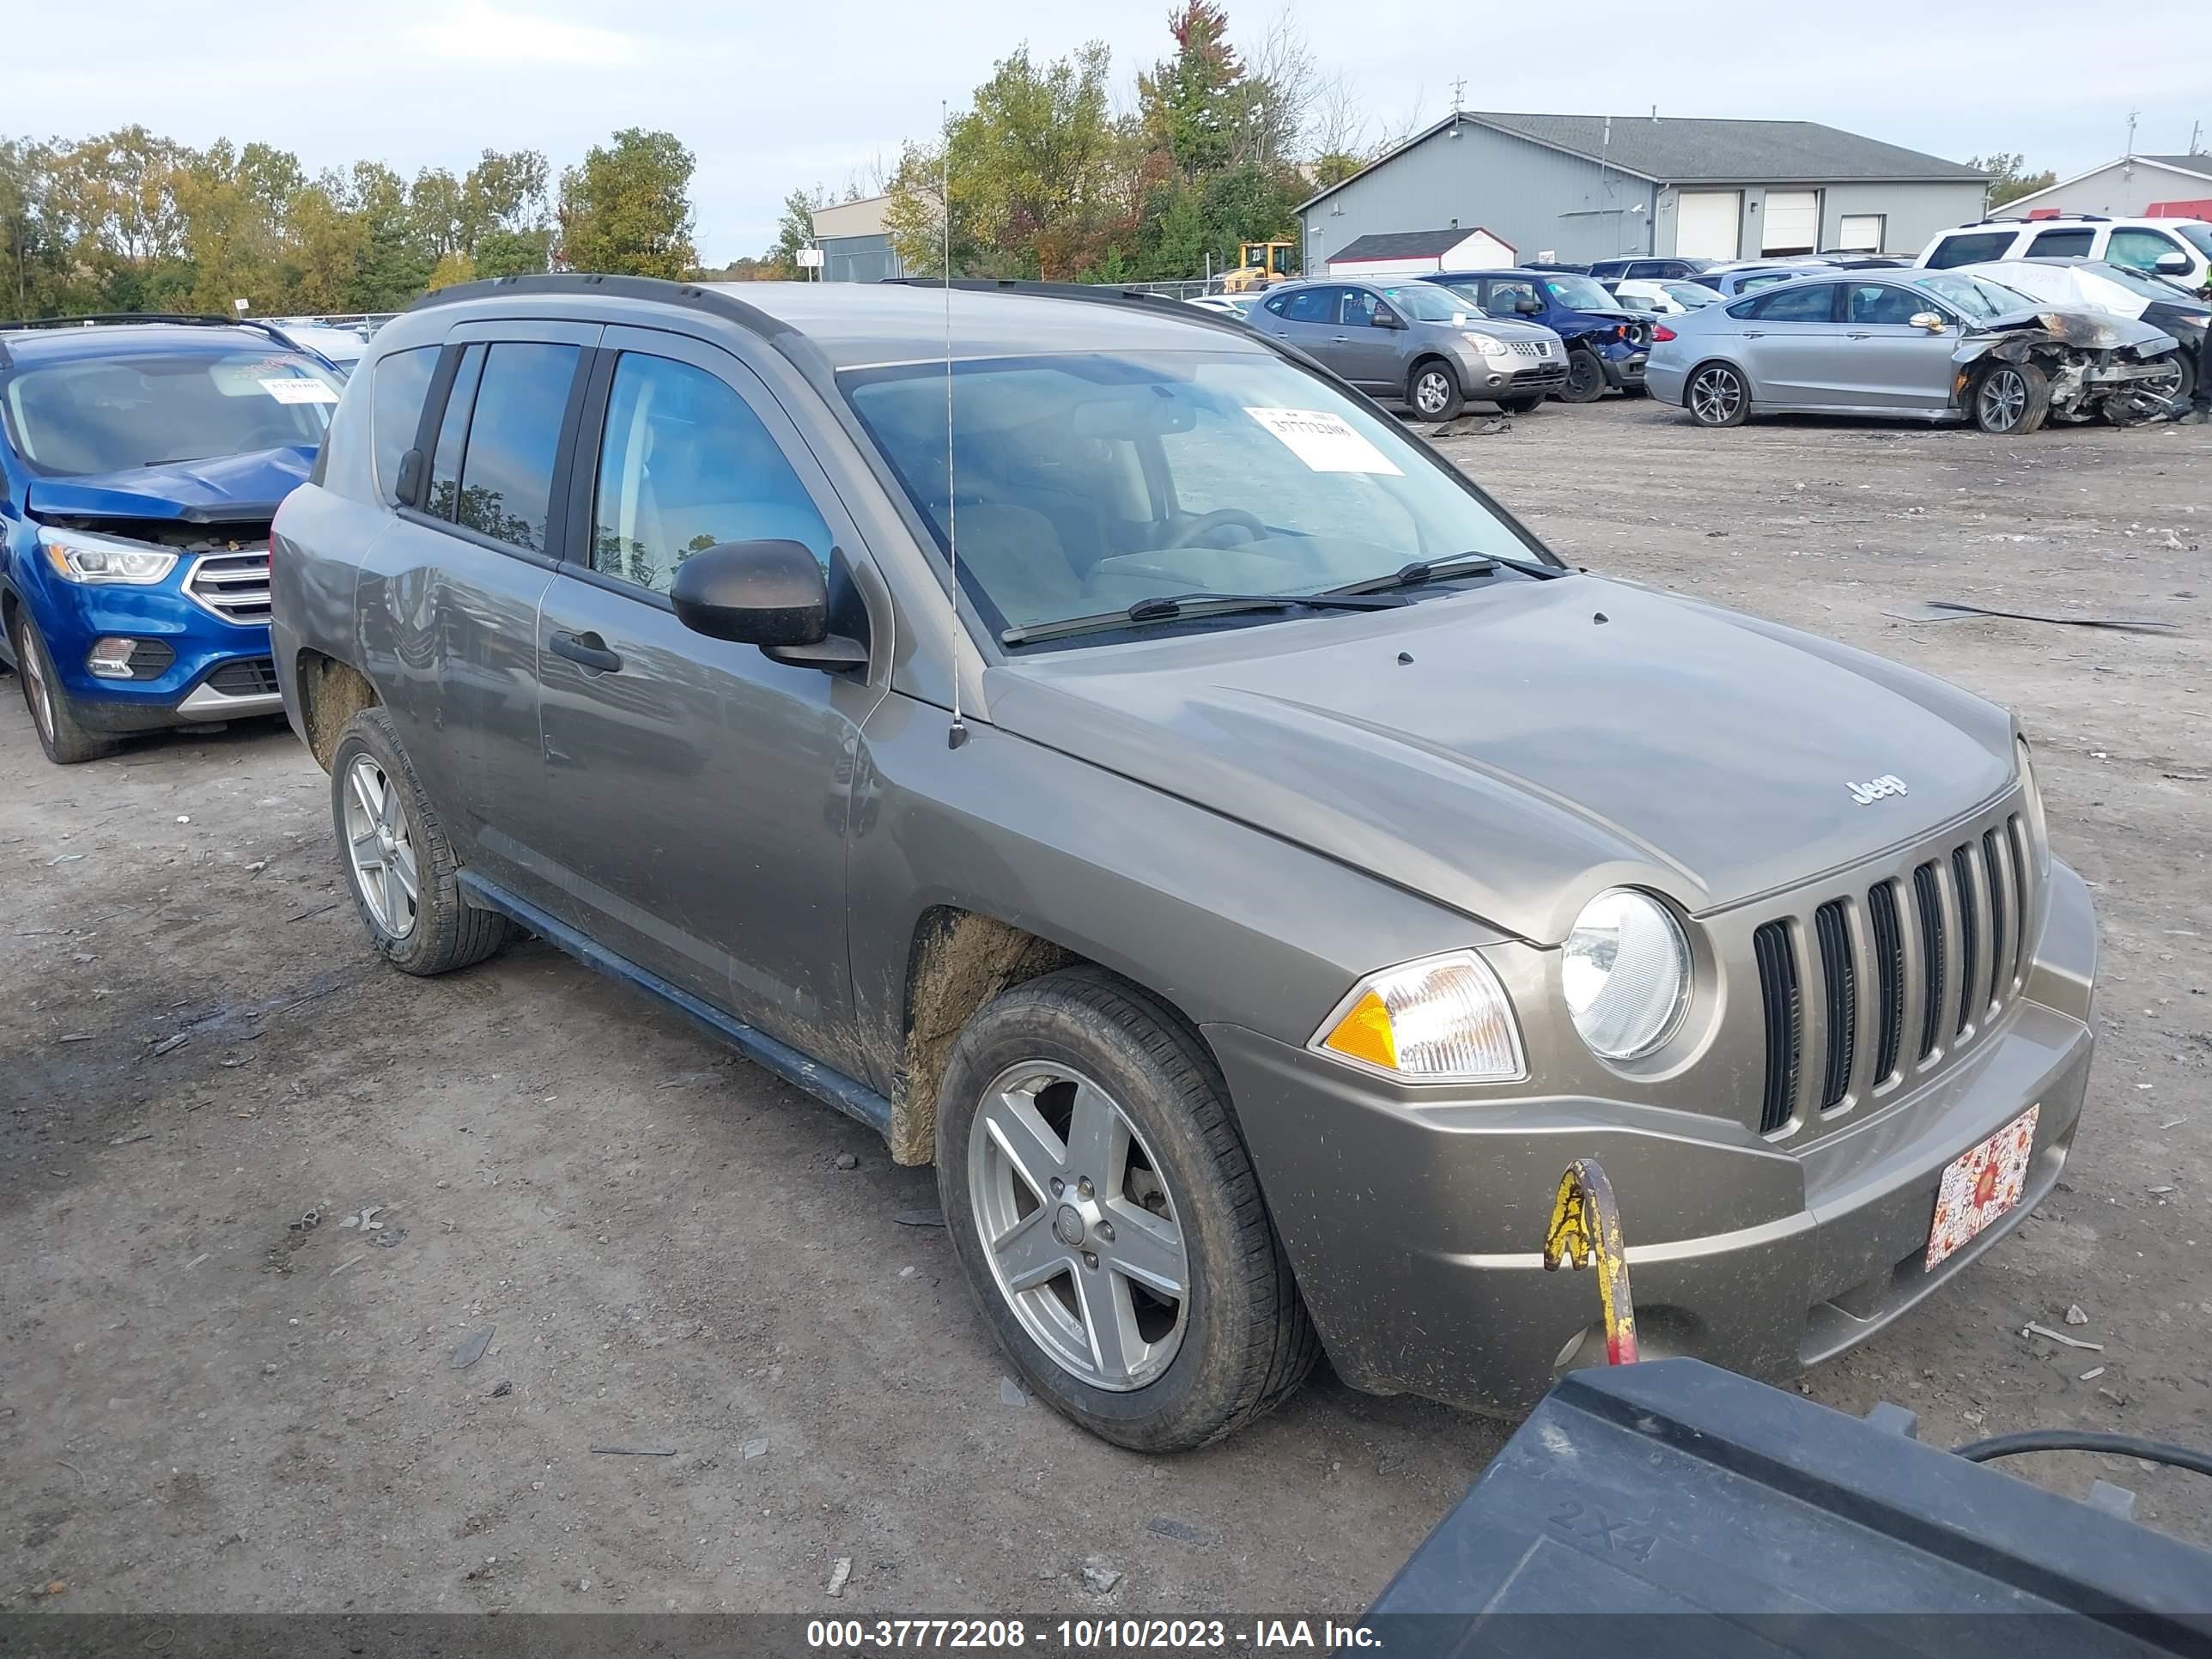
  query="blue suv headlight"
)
[{"x": 76, "y": 556}]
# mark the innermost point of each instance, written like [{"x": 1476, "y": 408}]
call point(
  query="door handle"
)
[
  {"x": 1341, "y": 339},
  {"x": 1754, "y": 334},
  {"x": 1859, "y": 334},
  {"x": 587, "y": 650}
]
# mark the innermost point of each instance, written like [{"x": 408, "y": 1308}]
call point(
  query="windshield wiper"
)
[
  {"x": 1422, "y": 572},
  {"x": 1174, "y": 607}
]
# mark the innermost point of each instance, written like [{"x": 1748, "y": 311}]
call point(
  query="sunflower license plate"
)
[{"x": 1981, "y": 1184}]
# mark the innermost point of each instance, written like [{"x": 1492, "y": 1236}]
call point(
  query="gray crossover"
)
[
  {"x": 1417, "y": 343},
  {"x": 1250, "y": 882}
]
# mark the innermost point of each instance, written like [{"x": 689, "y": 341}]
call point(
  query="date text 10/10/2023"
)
[{"x": 1080, "y": 1636}]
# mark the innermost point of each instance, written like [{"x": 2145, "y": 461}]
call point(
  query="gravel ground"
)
[{"x": 208, "y": 1408}]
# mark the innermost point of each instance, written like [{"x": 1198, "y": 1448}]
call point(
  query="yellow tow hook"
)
[{"x": 1586, "y": 1226}]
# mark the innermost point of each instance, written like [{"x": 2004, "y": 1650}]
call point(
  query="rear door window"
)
[
  {"x": 402, "y": 381},
  {"x": 515, "y": 437},
  {"x": 2061, "y": 245},
  {"x": 1815, "y": 303},
  {"x": 1970, "y": 247},
  {"x": 453, "y": 434},
  {"x": 1311, "y": 305}
]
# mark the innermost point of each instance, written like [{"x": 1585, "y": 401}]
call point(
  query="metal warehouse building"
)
[{"x": 1583, "y": 187}]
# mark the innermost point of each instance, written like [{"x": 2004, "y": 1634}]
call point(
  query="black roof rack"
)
[
  {"x": 2023, "y": 219},
  {"x": 1108, "y": 294}
]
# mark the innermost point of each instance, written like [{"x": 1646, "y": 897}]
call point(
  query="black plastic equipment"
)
[{"x": 1671, "y": 1508}]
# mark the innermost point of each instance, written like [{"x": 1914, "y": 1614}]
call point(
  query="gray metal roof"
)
[
  {"x": 1401, "y": 245},
  {"x": 1680, "y": 150},
  {"x": 2197, "y": 163}
]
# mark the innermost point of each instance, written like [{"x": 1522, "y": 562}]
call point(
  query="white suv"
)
[{"x": 2179, "y": 250}]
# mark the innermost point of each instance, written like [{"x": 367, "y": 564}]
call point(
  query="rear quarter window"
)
[
  {"x": 403, "y": 379},
  {"x": 1972, "y": 249}
]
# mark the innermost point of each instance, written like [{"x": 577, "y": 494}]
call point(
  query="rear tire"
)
[
  {"x": 1585, "y": 378},
  {"x": 1433, "y": 391},
  {"x": 1029, "y": 1074},
  {"x": 1717, "y": 395},
  {"x": 1522, "y": 406},
  {"x": 2009, "y": 401},
  {"x": 396, "y": 861},
  {"x": 66, "y": 739}
]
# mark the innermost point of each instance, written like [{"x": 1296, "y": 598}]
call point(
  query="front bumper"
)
[
  {"x": 1625, "y": 371},
  {"x": 216, "y": 669},
  {"x": 1416, "y": 1230}
]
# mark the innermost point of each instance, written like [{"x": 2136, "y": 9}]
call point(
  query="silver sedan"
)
[{"x": 1927, "y": 345}]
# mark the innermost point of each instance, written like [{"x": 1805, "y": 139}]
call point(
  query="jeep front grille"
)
[
  {"x": 234, "y": 586},
  {"x": 1850, "y": 987}
]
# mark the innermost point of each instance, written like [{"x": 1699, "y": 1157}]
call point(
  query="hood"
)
[
  {"x": 2096, "y": 330},
  {"x": 1547, "y": 739},
  {"x": 1501, "y": 328},
  {"x": 218, "y": 491}
]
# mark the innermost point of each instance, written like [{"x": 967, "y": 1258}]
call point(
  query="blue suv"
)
[
  {"x": 141, "y": 463},
  {"x": 1606, "y": 345}
]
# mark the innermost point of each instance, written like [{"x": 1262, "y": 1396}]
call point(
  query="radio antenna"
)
[{"x": 958, "y": 735}]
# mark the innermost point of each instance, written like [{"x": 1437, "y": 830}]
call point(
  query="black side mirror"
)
[
  {"x": 1527, "y": 306},
  {"x": 771, "y": 594},
  {"x": 407, "y": 489},
  {"x": 1385, "y": 318}
]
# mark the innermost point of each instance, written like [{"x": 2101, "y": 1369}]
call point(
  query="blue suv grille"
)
[{"x": 234, "y": 586}]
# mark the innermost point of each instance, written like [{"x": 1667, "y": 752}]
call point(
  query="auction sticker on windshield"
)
[
  {"x": 1981, "y": 1184},
  {"x": 300, "y": 391},
  {"x": 1325, "y": 442}
]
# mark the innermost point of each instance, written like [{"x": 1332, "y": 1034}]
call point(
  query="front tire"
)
[
  {"x": 66, "y": 739},
  {"x": 1433, "y": 390},
  {"x": 398, "y": 866},
  {"x": 2010, "y": 400},
  {"x": 1101, "y": 1202},
  {"x": 1716, "y": 395},
  {"x": 1585, "y": 378},
  {"x": 1527, "y": 403}
]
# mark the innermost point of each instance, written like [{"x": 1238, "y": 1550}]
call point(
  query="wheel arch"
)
[
  {"x": 1413, "y": 369},
  {"x": 330, "y": 694},
  {"x": 959, "y": 961},
  {"x": 1719, "y": 360}
]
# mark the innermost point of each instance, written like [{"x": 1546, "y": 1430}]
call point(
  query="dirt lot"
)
[{"x": 206, "y": 1408}]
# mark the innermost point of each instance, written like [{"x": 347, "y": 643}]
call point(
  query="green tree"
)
[
  {"x": 2010, "y": 179},
  {"x": 1187, "y": 102},
  {"x": 627, "y": 209},
  {"x": 795, "y": 229}
]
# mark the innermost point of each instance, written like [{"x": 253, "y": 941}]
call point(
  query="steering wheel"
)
[{"x": 1206, "y": 523}]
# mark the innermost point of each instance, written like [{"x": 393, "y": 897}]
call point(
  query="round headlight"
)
[{"x": 1625, "y": 972}]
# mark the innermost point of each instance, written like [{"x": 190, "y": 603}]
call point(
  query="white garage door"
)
[
  {"x": 1863, "y": 232},
  {"x": 1707, "y": 223},
  {"x": 1792, "y": 221}
]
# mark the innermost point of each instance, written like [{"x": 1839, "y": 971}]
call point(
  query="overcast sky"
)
[{"x": 770, "y": 96}]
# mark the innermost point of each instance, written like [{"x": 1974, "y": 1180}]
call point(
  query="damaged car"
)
[
  {"x": 141, "y": 461},
  {"x": 1087, "y": 743},
  {"x": 1928, "y": 345}
]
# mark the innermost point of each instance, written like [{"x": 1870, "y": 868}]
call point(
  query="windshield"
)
[
  {"x": 2197, "y": 236},
  {"x": 1692, "y": 295},
  {"x": 2142, "y": 284},
  {"x": 1978, "y": 297},
  {"x": 1578, "y": 292},
  {"x": 1084, "y": 483},
  {"x": 1431, "y": 302},
  {"x": 114, "y": 414}
]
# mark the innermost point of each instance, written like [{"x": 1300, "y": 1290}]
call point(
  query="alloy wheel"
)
[
  {"x": 380, "y": 847},
  {"x": 2004, "y": 398},
  {"x": 1716, "y": 395},
  {"x": 1432, "y": 391},
  {"x": 1078, "y": 1227},
  {"x": 35, "y": 691}
]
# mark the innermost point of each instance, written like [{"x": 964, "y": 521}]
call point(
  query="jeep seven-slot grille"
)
[{"x": 1931, "y": 980}]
